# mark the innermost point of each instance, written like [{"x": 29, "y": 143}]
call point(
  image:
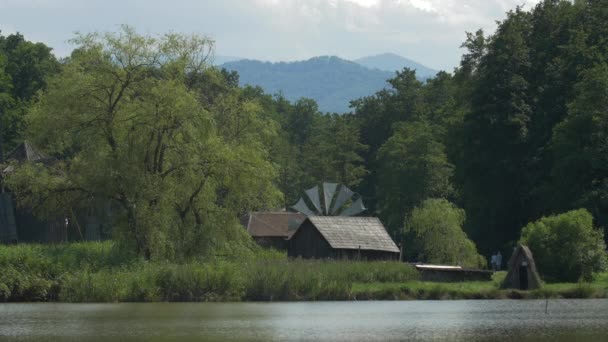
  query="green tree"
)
[
  {"x": 29, "y": 65},
  {"x": 580, "y": 146},
  {"x": 333, "y": 152},
  {"x": 566, "y": 247},
  {"x": 127, "y": 128},
  {"x": 433, "y": 234},
  {"x": 496, "y": 135},
  {"x": 26, "y": 66},
  {"x": 6, "y": 86},
  {"x": 412, "y": 167}
]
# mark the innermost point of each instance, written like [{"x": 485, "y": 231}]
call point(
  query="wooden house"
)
[
  {"x": 340, "y": 237},
  {"x": 271, "y": 229}
]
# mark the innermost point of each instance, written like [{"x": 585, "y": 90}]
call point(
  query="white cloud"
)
[{"x": 429, "y": 31}]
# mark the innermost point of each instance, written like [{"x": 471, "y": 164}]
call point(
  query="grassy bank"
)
[
  {"x": 99, "y": 272},
  {"x": 477, "y": 290}
]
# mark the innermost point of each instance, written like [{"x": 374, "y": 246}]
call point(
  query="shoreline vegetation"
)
[{"x": 100, "y": 272}]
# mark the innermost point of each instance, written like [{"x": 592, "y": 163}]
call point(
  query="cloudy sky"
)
[{"x": 428, "y": 31}]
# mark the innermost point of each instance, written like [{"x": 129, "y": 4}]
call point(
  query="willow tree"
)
[
  {"x": 126, "y": 126},
  {"x": 434, "y": 234}
]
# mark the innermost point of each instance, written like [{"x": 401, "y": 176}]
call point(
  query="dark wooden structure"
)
[
  {"x": 339, "y": 237},
  {"x": 8, "y": 226},
  {"x": 18, "y": 224},
  {"x": 440, "y": 273},
  {"x": 522, "y": 273},
  {"x": 271, "y": 229}
]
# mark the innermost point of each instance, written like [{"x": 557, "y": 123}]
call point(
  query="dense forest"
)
[{"x": 517, "y": 132}]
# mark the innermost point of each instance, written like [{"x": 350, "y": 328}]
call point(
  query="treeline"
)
[{"x": 517, "y": 132}]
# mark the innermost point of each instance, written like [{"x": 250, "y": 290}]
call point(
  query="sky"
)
[{"x": 427, "y": 31}]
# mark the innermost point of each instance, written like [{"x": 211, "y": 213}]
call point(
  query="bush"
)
[
  {"x": 434, "y": 234},
  {"x": 566, "y": 247}
]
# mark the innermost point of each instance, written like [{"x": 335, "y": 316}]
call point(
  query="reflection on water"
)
[{"x": 500, "y": 320}]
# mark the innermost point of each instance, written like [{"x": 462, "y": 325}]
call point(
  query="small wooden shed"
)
[
  {"x": 339, "y": 237},
  {"x": 522, "y": 273}
]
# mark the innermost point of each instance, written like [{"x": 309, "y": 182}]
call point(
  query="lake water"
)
[{"x": 483, "y": 320}]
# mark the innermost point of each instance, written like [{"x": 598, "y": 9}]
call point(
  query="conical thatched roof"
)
[
  {"x": 26, "y": 152},
  {"x": 522, "y": 255}
]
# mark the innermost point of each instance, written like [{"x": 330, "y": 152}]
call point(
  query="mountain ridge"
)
[
  {"x": 330, "y": 80},
  {"x": 392, "y": 62}
]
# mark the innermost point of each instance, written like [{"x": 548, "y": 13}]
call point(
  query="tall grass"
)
[
  {"x": 36, "y": 272},
  {"x": 99, "y": 272}
]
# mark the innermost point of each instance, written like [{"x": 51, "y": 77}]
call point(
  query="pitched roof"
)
[
  {"x": 343, "y": 232},
  {"x": 273, "y": 224},
  {"x": 26, "y": 152}
]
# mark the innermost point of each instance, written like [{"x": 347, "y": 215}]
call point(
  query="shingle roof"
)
[
  {"x": 279, "y": 224},
  {"x": 343, "y": 232}
]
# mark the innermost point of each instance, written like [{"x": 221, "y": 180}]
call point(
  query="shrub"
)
[
  {"x": 566, "y": 247},
  {"x": 434, "y": 234}
]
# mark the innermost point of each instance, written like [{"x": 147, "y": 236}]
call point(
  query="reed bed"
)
[{"x": 101, "y": 272}]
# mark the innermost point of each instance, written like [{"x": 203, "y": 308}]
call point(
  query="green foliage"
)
[
  {"x": 566, "y": 247},
  {"x": 101, "y": 272},
  {"x": 128, "y": 126},
  {"x": 25, "y": 68},
  {"x": 333, "y": 152},
  {"x": 413, "y": 166},
  {"x": 516, "y": 132},
  {"x": 433, "y": 234},
  {"x": 36, "y": 272},
  {"x": 580, "y": 143}
]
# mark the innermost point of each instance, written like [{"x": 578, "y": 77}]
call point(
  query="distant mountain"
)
[
  {"x": 219, "y": 60},
  {"x": 393, "y": 62},
  {"x": 331, "y": 81}
]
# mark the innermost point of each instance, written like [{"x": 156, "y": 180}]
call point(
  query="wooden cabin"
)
[
  {"x": 271, "y": 229},
  {"x": 522, "y": 274},
  {"x": 340, "y": 237}
]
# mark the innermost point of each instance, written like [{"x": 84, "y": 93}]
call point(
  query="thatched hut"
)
[
  {"x": 341, "y": 237},
  {"x": 522, "y": 270}
]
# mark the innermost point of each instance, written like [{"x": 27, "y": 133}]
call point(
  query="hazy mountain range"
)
[
  {"x": 392, "y": 62},
  {"x": 332, "y": 81}
]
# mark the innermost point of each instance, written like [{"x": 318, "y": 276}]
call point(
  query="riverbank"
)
[
  {"x": 413, "y": 290},
  {"x": 100, "y": 272}
]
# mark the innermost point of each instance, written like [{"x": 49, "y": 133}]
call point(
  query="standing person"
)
[
  {"x": 493, "y": 262},
  {"x": 498, "y": 261}
]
